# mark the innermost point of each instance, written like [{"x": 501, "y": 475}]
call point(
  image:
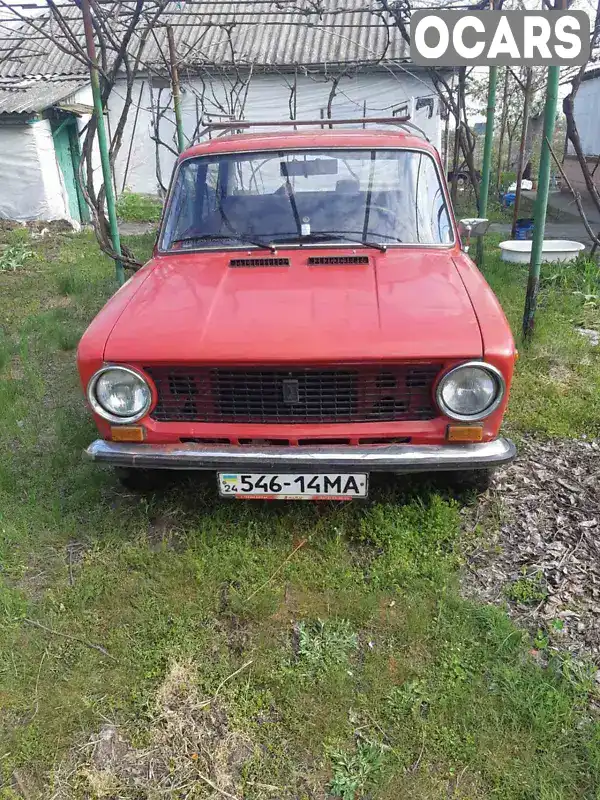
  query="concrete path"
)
[
  {"x": 136, "y": 228},
  {"x": 564, "y": 204},
  {"x": 573, "y": 231}
]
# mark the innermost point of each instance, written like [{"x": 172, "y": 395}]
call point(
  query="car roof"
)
[{"x": 308, "y": 139}]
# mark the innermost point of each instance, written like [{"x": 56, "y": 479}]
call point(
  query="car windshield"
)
[{"x": 372, "y": 197}]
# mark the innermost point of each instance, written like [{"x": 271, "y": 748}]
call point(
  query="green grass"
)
[
  {"x": 466, "y": 207},
  {"x": 527, "y": 589},
  {"x": 556, "y": 391},
  {"x": 133, "y": 207},
  {"x": 15, "y": 257},
  {"x": 354, "y": 669}
]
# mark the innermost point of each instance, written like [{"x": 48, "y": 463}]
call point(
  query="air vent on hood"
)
[
  {"x": 259, "y": 262},
  {"x": 317, "y": 261}
]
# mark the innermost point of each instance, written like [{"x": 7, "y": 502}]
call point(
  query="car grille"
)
[{"x": 296, "y": 395}]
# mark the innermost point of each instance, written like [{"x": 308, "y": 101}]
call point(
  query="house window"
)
[{"x": 400, "y": 111}]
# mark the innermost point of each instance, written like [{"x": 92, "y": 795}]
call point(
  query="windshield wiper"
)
[
  {"x": 236, "y": 237},
  {"x": 324, "y": 236}
]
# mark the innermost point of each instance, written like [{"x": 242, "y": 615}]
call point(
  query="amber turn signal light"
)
[
  {"x": 465, "y": 433},
  {"x": 127, "y": 433}
]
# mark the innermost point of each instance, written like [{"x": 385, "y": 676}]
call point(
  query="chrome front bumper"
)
[{"x": 382, "y": 458}]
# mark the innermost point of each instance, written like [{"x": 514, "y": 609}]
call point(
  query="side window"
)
[
  {"x": 432, "y": 219},
  {"x": 442, "y": 218},
  {"x": 183, "y": 202},
  {"x": 207, "y": 189}
]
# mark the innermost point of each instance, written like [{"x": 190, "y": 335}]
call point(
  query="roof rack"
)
[{"x": 238, "y": 124}]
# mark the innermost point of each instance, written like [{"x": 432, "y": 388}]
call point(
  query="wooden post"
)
[
  {"x": 486, "y": 169},
  {"x": 521, "y": 162},
  {"x": 175, "y": 91},
  {"x": 446, "y": 139},
  {"x": 455, "y": 155},
  {"x": 503, "y": 119},
  {"x": 197, "y": 107}
]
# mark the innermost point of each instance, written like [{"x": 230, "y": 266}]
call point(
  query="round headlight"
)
[
  {"x": 471, "y": 391},
  {"x": 119, "y": 394}
]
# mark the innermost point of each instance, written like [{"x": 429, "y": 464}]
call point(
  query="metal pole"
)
[
  {"x": 521, "y": 163},
  {"x": 175, "y": 90},
  {"x": 487, "y": 155},
  {"x": 541, "y": 202},
  {"x": 102, "y": 140}
]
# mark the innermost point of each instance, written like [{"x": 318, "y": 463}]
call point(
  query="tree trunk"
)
[
  {"x": 457, "y": 132},
  {"x": 502, "y": 127},
  {"x": 572, "y": 132}
]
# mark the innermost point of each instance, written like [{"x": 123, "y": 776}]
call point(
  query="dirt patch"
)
[
  {"x": 191, "y": 745},
  {"x": 298, "y": 602},
  {"x": 53, "y": 302},
  {"x": 74, "y": 555},
  {"x": 15, "y": 371},
  {"x": 561, "y": 376},
  {"x": 237, "y": 632},
  {"x": 52, "y": 226},
  {"x": 25, "y": 785},
  {"x": 543, "y": 562}
]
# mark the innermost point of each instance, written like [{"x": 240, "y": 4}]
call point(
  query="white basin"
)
[{"x": 553, "y": 250}]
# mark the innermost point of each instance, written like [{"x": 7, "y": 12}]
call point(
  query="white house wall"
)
[
  {"x": 30, "y": 179},
  {"x": 268, "y": 98},
  {"x": 587, "y": 116},
  {"x": 54, "y": 186}
]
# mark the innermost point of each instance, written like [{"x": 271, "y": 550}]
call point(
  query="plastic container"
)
[
  {"x": 553, "y": 251},
  {"x": 524, "y": 228}
]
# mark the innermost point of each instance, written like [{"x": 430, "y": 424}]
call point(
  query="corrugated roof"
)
[
  {"x": 591, "y": 74},
  {"x": 266, "y": 35},
  {"x": 29, "y": 96}
]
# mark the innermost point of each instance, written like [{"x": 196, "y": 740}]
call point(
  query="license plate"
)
[{"x": 297, "y": 486}]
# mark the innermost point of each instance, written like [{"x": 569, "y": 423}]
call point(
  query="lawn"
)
[
  {"x": 134, "y": 207},
  {"x": 269, "y": 650},
  {"x": 466, "y": 206}
]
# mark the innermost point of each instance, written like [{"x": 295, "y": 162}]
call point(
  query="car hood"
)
[{"x": 195, "y": 307}]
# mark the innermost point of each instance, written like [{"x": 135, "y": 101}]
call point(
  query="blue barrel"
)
[{"x": 524, "y": 229}]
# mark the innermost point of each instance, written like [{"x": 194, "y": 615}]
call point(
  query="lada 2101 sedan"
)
[{"x": 309, "y": 316}]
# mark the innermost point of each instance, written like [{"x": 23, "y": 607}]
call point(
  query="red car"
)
[{"x": 309, "y": 316}]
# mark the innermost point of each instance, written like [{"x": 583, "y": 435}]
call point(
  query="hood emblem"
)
[{"x": 291, "y": 391}]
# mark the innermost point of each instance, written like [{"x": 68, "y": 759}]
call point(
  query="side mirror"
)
[{"x": 474, "y": 226}]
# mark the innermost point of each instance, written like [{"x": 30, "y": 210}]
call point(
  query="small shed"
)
[
  {"x": 587, "y": 119},
  {"x": 39, "y": 152}
]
